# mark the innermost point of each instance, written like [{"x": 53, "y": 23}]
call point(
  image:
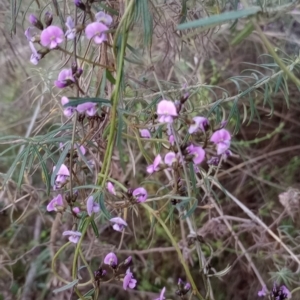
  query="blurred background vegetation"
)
[{"x": 231, "y": 74}]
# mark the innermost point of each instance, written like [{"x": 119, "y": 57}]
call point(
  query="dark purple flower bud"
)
[
  {"x": 48, "y": 17},
  {"x": 185, "y": 96},
  {"x": 79, "y": 4},
  {"x": 99, "y": 273},
  {"x": 35, "y": 22},
  {"x": 214, "y": 161}
]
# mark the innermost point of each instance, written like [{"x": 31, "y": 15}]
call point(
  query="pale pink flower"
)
[
  {"x": 104, "y": 18},
  {"x": 166, "y": 111},
  {"x": 35, "y": 56},
  {"x": 198, "y": 154},
  {"x": 65, "y": 78},
  {"x": 96, "y": 31},
  {"x": 61, "y": 176},
  {"x": 119, "y": 224},
  {"x": 74, "y": 236},
  {"x": 92, "y": 206},
  {"x": 52, "y": 36},
  {"x": 110, "y": 187},
  {"x": 80, "y": 149},
  {"x": 145, "y": 133},
  {"x": 221, "y": 138},
  {"x": 111, "y": 260},
  {"x": 76, "y": 210},
  {"x": 89, "y": 108},
  {"x": 171, "y": 139},
  {"x": 161, "y": 296},
  {"x": 155, "y": 166},
  {"x": 68, "y": 111},
  {"x": 71, "y": 32},
  {"x": 199, "y": 123},
  {"x": 55, "y": 202},
  {"x": 129, "y": 281},
  {"x": 170, "y": 158},
  {"x": 140, "y": 194}
]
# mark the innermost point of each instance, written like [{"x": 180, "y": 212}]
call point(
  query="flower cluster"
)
[
  {"x": 88, "y": 108},
  {"x": 277, "y": 293}
]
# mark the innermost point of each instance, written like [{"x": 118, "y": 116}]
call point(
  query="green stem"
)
[{"x": 175, "y": 245}]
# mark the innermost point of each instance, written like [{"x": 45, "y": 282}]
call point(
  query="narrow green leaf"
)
[
  {"x": 76, "y": 101},
  {"x": 218, "y": 19},
  {"x": 102, "y": 206},
  {"x": 66, "y": 287},
  {"x": 95, "y": 229},
  {"x": 243, "y": 34},
  {"x": 23, "y": 165},
  {"x": 110, "y": 77}
]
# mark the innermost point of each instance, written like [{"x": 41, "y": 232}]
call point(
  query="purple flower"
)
[
  {"x": 35, "y": 56},
  {"x": 65, "y": 78},
  {"x": 170, "y": 158},
  {"x": 198, "y": 154},
  {"x": 129, "y": 281},
  {"x": 79, "y": 4},
  {"x": 155, "y": 166},
  {"x": 171, "y": 139},
  {"x": 111, "y": 260},
  {"x": 187, "y": 287},
  {"x": 145, "y": 133},
  {"x": 222, "y": 139},
  {"x": 166, "y": 111},
  {"x": 140, "y": 194},
  {"x": 127, "y": 261},
  {"x": 80, "y": 149},
  {"x": 71, "y": 32},
  {"x": 74, "y": 236},
  {"x": 52, "y": 36},
  {"x": 96, "y": 31},
  {"x": 262, "y": 292},
  {"x": 35, "y": 22},
  {"x": 57, "y": 201},
  {"x": 161, "y": 296},
  {"x": 199, "y": 123},
  {"x": 92, "y": 206},
  {"x": 61, "y": 176},
  {"x": 285, "y": 291},
  {"x": 30, "y": 33},
  {"x": 76, "y": 210},
  {"x": 89, "y": 108},
  {"x": 110, "y": 187},
  {"x": 68, "y": 111},
  {"x": 104, "y": 18},
  {"x": 119, "y": 223}
]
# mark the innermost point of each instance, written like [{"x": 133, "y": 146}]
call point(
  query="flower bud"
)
[
  {"x": 48, "y": 17},
  {"x": 79, "y": 4},
  {"x": 35, "y": 22},
  {"x": 127, "y": 261}
]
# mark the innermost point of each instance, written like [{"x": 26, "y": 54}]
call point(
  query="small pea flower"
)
[
  {"x": 89, "y": 108},
  {"x": 104, "y": 18},
  {"x": 110, "y": 187},
  {"x": 80, "y": 149},
  {"x": 221, "y": 138},
  {"x": 198, "y": 123},
  {"x": 71, "y": 32},
  {"x": 55, "y": 203},
  {"x": 155, "y": 166},
  {"x": 76, "y": 210},
  {"x": 111, "y": 260},
  {"x": 92, "y": 206},
  {"x": 68, "y": 111},
  {"x": 74, "y": 236},
  {"x": 166, "y": 111},
  {"x": 52, "y": 36},
  {"x": 198, "y": 154},
  {"x": 79, "y": 4},
  {"x": 119, "y": 224},
  {"x": 96, "y": 31},
  {"x": 161, "y": 296},
  {"x": 35, "y": 22},
  {"x": 129, "y": 281},
  {"x": 30, "y": 34},
  {"x": 140, "y": 194},
  {"x": 262, "y": 292},
  {"x": 172, "y": 139},
  {"x": 145, "y": 133},
  {"x": 170, "y": 158},
  {"x": 61, "y": 176},
  {"x": 65, "y": 78}
]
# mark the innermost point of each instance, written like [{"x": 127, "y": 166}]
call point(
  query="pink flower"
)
[
  {"x": 110, "y": 187},
  {"x": 61, "y": 176},
  {"x": 65, "y": 78},
  {"x": 221, "y": 138},
  {"x": 111, "y": 260},
  {"x": 30, "y": 33},
  {"x": 129, "y": 281},
  {"x": 166, "y": 111},
  {"x": 35, "y": 22},
  {"x": 92, "y": 206},
  {"x": 119, "y": 223},
  {"x": 89, "y": 108},
  {"x": 140, "y": 194},
  {"x": 104, "y": 18},
  {"x": 74, "y": 236},
  {"x": 171, "y": 139},
  {"x": 68, "y": 111},
  {"x": 96, "y": 31},
  {"x": 80, "y": 149},
  {"x": 52, "y": 36},
  {"x": 76, "y": 210},
  {"x": 198, "y": 153},
  {"x": 170, "y": 157},
  {"x": 199, "y": 123},
  {"x": 161, "y": 296},
  {"x": 57, "y": 201},
  {"x": 145, "y": 133},
  {"x": 155, "y": 166},
  {"x": 71, "y": 32},
  {"x": 35, "y": 56},
  {"x": 262, "y": 292}
]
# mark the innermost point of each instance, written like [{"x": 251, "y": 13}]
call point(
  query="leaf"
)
[
  {"x": 66, "y": 287},
  {"x": 76, "y": 101},
  {"x": 23, "y": 166},
  {"x": 95, "y": 229},
  {"x": 221, "y": 273},
  {"x": 243, "y": 34},
  {"x": 110, "y": 77},
  {"x": 218, "y": 19},
  {"x": 102, "y": 206}
]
